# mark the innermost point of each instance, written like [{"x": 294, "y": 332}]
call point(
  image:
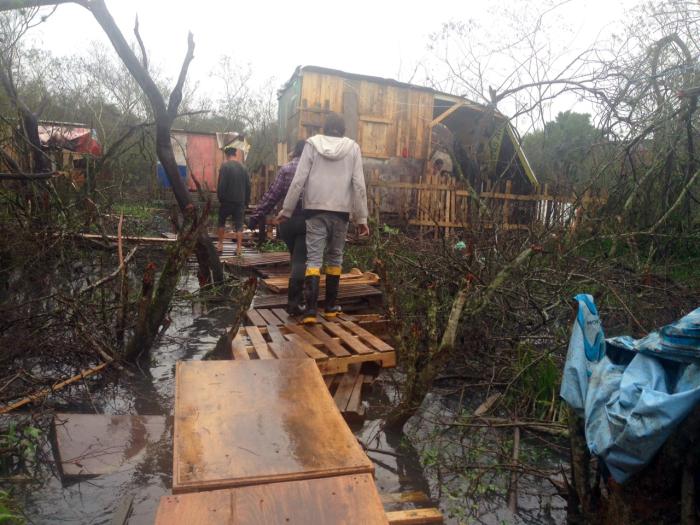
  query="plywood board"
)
[
  {"x": 248, "y": 422},
  {"x": 330, "y": 501},
  {"x": 96, "y": 444}
]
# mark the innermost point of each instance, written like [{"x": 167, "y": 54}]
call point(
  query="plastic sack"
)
[
  {"x": 636, "y": 394},
  {"x": 586, "y": 347}
]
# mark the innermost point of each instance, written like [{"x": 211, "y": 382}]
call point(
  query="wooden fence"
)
[{"x": 440, "y": 204}]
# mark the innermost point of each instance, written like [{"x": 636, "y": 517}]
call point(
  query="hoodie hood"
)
[{"x": 332, "y": 148}]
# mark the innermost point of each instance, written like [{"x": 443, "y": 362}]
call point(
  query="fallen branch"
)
[
  {"x": 49, "y": 390},
  {"x": 112, "y": 275}
]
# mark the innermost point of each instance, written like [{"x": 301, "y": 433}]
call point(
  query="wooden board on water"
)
[
  {"x": 249, "y": 422},
  {"x": 330, "y": 501},
  {"x": 96, "y": 444}
]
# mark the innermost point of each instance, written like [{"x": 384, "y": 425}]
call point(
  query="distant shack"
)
[{"x": 424, "y": 151}]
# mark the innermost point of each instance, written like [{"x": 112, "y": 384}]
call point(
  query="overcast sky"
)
[{"x": 379, "y": 37}]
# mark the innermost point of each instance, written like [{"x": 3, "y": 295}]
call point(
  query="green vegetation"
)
[
  {"x": 273, "y": 246},
  {"x": 8, "y": 510}
]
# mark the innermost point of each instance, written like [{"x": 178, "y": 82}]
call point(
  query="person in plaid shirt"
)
[{"x": 292, "y": 231}]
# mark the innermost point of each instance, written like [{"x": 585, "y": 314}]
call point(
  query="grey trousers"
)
[{"x": 325, "y": 234}]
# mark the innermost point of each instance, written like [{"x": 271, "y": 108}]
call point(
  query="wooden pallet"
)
[
  {"x": 375, "y": 323},
  {"x": 395, "y": 506},
  {"x": 280, "y": 284},
  {"x": 241, "y": 423},
  {"x": 346, "y": 294},
  {"x": 255, "y": 259},
  {"x": 334, "y": 345},
  {"x": 346, "y": 390}
]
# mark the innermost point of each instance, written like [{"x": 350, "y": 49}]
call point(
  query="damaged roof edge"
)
[
  {"x": 521, "y": 155},
  {"x": 380, "y": 80}
]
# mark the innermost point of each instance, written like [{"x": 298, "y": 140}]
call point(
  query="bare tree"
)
[{"x": 164, "y": 113}]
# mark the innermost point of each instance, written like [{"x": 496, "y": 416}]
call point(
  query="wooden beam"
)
[
  {"x": 414, "y": 517},
  {"x": 442, "y": 116}
]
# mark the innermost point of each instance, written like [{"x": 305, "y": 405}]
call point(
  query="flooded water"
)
[{"x": 149, "y": 390}]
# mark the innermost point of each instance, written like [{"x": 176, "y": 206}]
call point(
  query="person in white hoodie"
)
[{"x": 330, "y": 178}]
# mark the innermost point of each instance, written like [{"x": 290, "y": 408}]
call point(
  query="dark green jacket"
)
[{"x": 234, "y": 183}]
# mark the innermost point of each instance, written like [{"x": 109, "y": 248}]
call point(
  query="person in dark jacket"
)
[
  {"x": 292, "y": 231},
  {"x": 233, "y": 192}
]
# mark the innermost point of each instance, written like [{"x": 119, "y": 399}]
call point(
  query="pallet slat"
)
[
  {"x": 350, "y": 291},
  {"x": 304, "y": 334},
  {"x": 367, "y": 336},
  {"x": 332, "y": 344},
  {"x": 259, "y": 343},
  {"x": 309, "y": 350},
  {"x": 348, "y": 339},
  {"x": 238, "y": 348},
  {"x": 335, "y": 348},
  {"x": 345, "y": 387},
  {"x": 270, "y": 318},
  {"x": 275, "y": 335},
  {"x": 280, "y": 283},
  {"x": 282, "y": 314},
  {"x": 255, "y": 318},
  {"x": 252, "y": 260}
]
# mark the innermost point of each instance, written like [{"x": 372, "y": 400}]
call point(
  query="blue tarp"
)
[
  {"x": 631, "y": 393},
  {"x": 163, "y": 178}
]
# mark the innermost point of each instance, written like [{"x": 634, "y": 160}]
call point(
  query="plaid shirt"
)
[{"x": 276, "y": 193}]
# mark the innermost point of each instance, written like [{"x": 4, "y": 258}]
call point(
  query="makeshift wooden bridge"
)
[{"x": 261, "y": 439}]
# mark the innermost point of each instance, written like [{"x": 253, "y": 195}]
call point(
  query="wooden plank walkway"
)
[
  {"x": 334, "y": 345},
  {"x": 346, "y": 390},
  {"x": 260, "y": 439},
  {"x": 280, "y": 283},
  {"x": 348, "y": 293},
  {"x": 255, "y": 259},
  {"x": 330, "y": 501},
  {"x": 250, "y": 422}
]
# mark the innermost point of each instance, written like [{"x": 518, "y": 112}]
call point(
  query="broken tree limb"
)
[
  {"x": 49, "y": 390},
  {"x": 467, "y": 302},
  {"x": 112, "y": 275}
]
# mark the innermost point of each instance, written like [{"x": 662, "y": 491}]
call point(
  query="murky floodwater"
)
[{"x": 193, "y": 331}]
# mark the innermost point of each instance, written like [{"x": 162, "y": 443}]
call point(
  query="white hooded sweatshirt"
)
[{"x": 331, "y": 178}]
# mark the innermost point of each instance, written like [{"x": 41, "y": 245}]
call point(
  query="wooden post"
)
[{"x": 506, "y": 204}]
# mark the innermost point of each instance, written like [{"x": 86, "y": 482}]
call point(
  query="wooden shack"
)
[{"x": 425, "y": 152}]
